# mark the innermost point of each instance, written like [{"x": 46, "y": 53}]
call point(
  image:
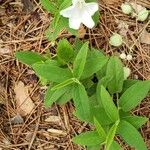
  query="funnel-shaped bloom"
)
[{"x": 80, "y": 12}]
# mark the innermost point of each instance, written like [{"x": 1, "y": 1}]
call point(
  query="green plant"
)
[
  {"x": 60, "y": 23},
  {"x": 101, "y": 95}
]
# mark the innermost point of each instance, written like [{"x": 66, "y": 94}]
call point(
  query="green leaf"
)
[
  {"x": 102, "y": 73},
  {"x": 67, "y": 96},
  {"x": 81, "y": 102},
  {"x": 53, "y": 96},
  {"x": 52, "y": 73},
  {"x": 115, "y": 146},
  {"x": 96, "y": 17},
  {"x": 77, "y": 44},
  {"x": 65, "y": 4},
  {"x": 134, "y": 95},
  {"x": 63, "y": 84},
  {"x": 29, "y": 58},
  {"x": 49, "y": 6},
  {"x": 130, "y": 134},
  {"x": 115, "y": 71},
  {"x": 95, "y": 147},
  {"x": 65, "y": 51},
  {"x": 104, "y": 81},
  {"x": 99, "y": 129},
  {"x": 55, "y": 28},
  {"x": 80, "y": 61},
  {"x": 111, "y": 135},
  {"x": 101, "y": 115},
  {"x": 128, "y": 83},
  {"x": 95, "y": 61},
  {"x": 109, "y": 105},
  {"x": 136, "y": 121},
  {"x": 90, "y": 138}
]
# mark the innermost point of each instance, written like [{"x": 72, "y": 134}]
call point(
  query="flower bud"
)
[
  {"x": 143, "y": 15},
  {"x": 129, "y": 57},
  {"x": 123, "y": 55},
  {"x": 127, "y": 72},
  {"x": 116, "y": 40},
  {"x": 126, "y": 8}
]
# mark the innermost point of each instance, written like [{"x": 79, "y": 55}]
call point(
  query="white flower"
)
[
  {"x": 80, "y": 12},
  {"x": 127, "y": 72},
  {"x": 129, "y": 57}
]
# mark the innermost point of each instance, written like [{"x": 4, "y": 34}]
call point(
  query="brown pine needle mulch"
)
[{"x": 22, "y": 26}]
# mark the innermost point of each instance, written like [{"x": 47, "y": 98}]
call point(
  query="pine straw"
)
[{"x": 24, "y": 30}]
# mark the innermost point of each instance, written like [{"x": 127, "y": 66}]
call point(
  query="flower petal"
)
[
  {"x": 74, "y": 2},
  {"x": 91, "y": 8},
  {"x": 87, "y": 20},
  {"x": 74, "y": 23},
  {"x": 67, "y": 12}
]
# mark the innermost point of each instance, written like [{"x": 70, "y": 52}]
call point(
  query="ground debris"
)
[
  {"x": 17, "y": 119},
  {"x": 23, "y": 101},
  {"x": 57, "y": 132},
  {"x": 145, "y": 37},
  {"x": 53, "y": 119}
]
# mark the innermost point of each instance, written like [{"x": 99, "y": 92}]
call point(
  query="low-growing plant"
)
[
  {"x": 59, "y": 22},
  {"x": 101, "y": 95}
]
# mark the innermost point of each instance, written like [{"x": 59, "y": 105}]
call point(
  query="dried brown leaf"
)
[
  {"x": 145, "y": 37},
  {"x": 23, "y": 101}
]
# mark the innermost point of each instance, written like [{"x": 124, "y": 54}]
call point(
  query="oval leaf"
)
[
  {"x": 99, "y": 129},
  {"x": 90, "y": 138},
  {"x": 95, "y": 61},
  {"x": 111, "y": 135},
  {"x": 134, "y": 95},
  {"x": 81, "y": 102},
  {"x": 115, "y": 71},
  {"x": 29, "y": 58},
  {"x": 52, "y": 73},
  {"x": 80, "y": 60},
  {"x": 109, "y": 105},
  {"x": 130, "y": 134}
]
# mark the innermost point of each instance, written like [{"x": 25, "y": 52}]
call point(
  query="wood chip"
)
[
  {"x": 23, "y": 101},
  {"x": 4, "y": 50},
  {"x": 53, "y": 119},
  {"x": 57, "y": 132}
]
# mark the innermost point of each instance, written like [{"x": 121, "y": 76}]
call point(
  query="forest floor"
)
[{"x": 22, "y": 27}]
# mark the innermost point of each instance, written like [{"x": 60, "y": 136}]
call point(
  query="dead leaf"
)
[
  {"x": 145, "y": 37},
  {"x": 57, "y": 132},
  {"x": 53, "y": 119},
  {"x": 24, "y": 103}
]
